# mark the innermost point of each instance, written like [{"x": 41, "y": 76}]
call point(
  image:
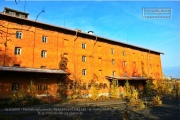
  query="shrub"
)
[
  {"x": 148, "y": 90},
  {"x": 94, "y": 91},
  {"x": 62, "y": 91},
  {"x": 114, "y": 90},
  {"x": 127, "y": 90},
  {"x": 156, "y": 101}
]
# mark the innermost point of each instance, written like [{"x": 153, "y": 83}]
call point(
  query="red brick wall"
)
[
  {"x": 59, "y": 43},
  {"x": 24, "y": 79}
]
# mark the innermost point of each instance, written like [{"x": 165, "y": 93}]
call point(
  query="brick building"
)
[{"x": 32, "y": 50}]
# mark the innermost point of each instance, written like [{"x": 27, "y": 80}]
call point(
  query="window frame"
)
[
  {"x": 84, "y": 72},
  {"x": 13, "y": 87},
  {"x": 22, "y": 16},
  {"x": 113, "y": 61},
  {"x": 113, "y": 73},
  {"x": 100, "y": 60},
  {"x": 124, "y": 53},
  {"x": 83, "y": 58},
  {"x": 83, "y": 45},
  {"x": 124, "y": 63},
  {"x": 43, "y": 53},
  {"x": 12, "y": 13},
  {"x": 44, "y": 39},
  {"x": 100, "y": 73},
  {"x": 19, "y": 34},
  {"x": 17, "y": 50},
  {"x": 112, "y": 51}
]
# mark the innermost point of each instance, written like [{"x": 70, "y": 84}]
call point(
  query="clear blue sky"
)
[{"x": 120, "y": 21}]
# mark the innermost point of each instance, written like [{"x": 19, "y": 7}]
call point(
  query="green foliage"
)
[
  {"x": 148, "y": 90},
  {"x": 127, "y": 90},
  {"x": 77, "y": 87},
  {"x": 131, "y": 94},
  {"x": 165, "y": 87},
  {"x": 31, "y": 88},
  {"x": 114, "y": 90},
  {"x": 94, "y": 91},
  {"x": 20, "y": 98},
  {"x": 156, "y": 101},
  {"x": 176, "y": 89}
]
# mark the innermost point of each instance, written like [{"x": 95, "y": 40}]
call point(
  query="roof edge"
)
[{"x": 76, "y": 32}]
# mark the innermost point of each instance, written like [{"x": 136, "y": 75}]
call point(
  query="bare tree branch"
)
[{"x": 40, "y": 13}]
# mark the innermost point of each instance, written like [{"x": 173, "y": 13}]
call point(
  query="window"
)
[
  {"x": 99, "y": 48},
  {"x": 84, "y": 58},
  {"x": 17, "y": 51},
  {"x": 66, "y": 42},
  {"x": 112, "y": 61},
  {"x": 42, "y": 86},
  {"x": 39, "y": 87},
  {"x": 44, "y": 39},
  {"x": 43, "y": 53},
  {"x": 16, "y": 65},
  {"x": 99, "y": 60},
  {"x": 83, "y": 45},
  {"x": 112, "y": 51},
  {"x": 15, "y": 87},
  {"x": 123, "y": 53},
  {"x": 19, "y": 34},
  {"x": 45, "y": 86},
  {"x": 43, "y": 66},
  {"x": 124, "y": 63},
  {"x": 113, "y": 73},
  {"x": 100, "y": 72},
  {"x": 12, "y": 13},
  {"x": 84, "y": 72},
  {"x": 21, "y": 16}
]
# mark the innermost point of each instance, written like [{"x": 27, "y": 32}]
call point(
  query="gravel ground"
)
[{"x": 107, "y": 110}]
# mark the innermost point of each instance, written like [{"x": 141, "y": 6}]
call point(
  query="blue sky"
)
[{"x": 118, "y": 20}]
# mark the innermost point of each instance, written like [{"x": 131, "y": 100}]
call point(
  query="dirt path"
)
[{"x": 108, "y": 110}]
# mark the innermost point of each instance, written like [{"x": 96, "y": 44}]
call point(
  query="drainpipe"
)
[
  {"x": 5, "y": 45},
  {"x": 148, "y": 62},
  {"x": 34, "y": 45},
  {"x": 74, "y": 56}
]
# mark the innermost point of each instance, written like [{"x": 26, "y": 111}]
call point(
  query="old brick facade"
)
[{"x": 89, "y": 56}]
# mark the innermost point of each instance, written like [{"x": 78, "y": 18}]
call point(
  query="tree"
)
[{"x": 63, "y": 63}]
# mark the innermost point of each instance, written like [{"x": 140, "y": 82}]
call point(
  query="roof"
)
[
  {"x": 83, "y": 33},
  {"x": 20, "y": 69},
  {"x": 127, "y": 78},
  {"x": 6, "y": 8}
]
